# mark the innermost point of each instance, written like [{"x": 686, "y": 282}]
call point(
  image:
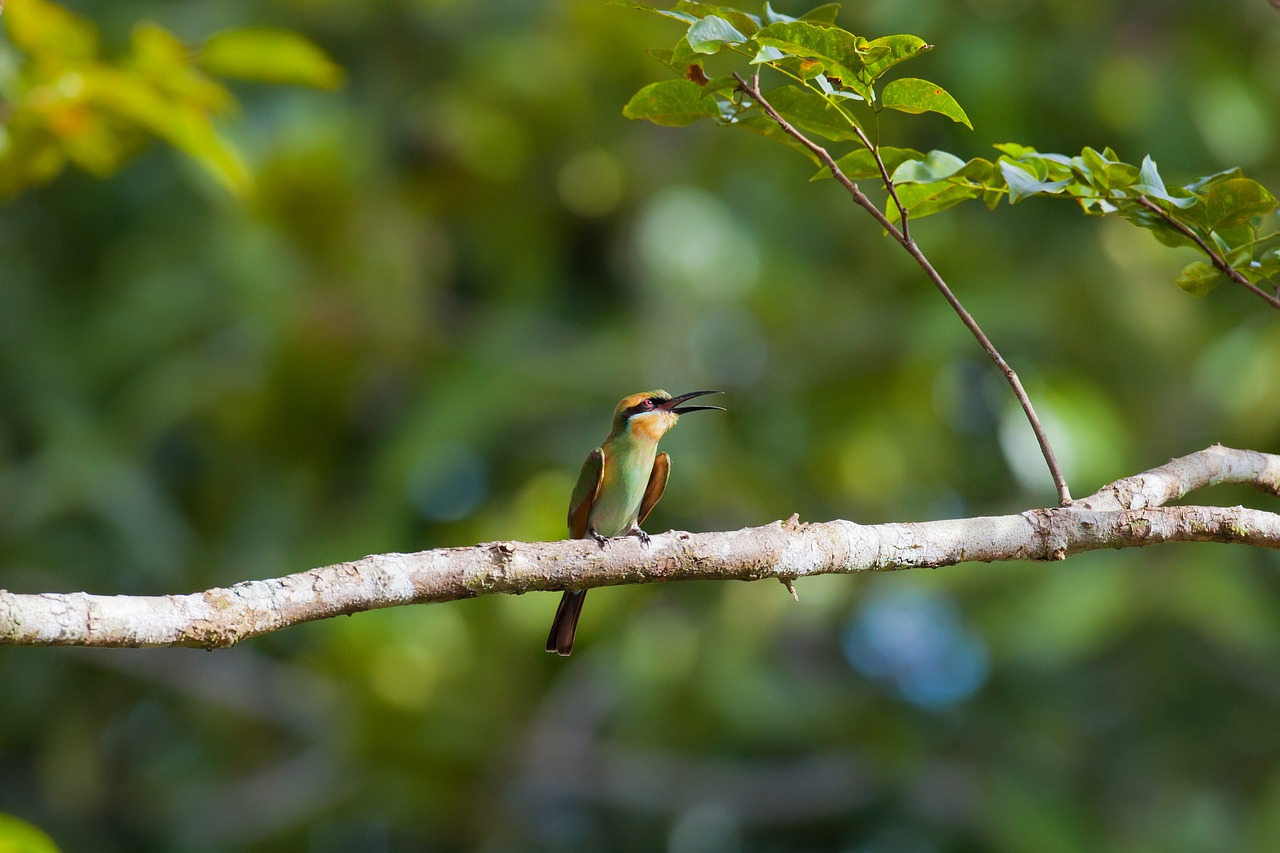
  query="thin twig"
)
[
  {"x": 859, "y": 197},
  {"x": 1214, "y": 256},
  {"x": 889, "y": 185}
]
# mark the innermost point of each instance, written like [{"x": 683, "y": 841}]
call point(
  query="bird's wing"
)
[
  {"x": 657, "y": 483},
  {"x": 585, "y": 493}
]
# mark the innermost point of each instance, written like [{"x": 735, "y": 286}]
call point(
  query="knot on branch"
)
[{"x": 1051, "y": 532}]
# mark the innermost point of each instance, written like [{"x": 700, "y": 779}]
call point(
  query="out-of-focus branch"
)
[{"x": 1125, "y": 514}]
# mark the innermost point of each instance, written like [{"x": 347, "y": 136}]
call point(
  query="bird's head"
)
[{"x": 650, "y": 414}]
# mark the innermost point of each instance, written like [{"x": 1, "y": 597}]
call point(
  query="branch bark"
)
[{"x": 1125, "y": 514}]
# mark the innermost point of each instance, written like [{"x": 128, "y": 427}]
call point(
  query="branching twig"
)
[
  {"x": 1215, "y": 257},
  {"x": 752, "y": 90},
  {"x": 890, "y": 187},
  {"x": 1125, "y": 514}
]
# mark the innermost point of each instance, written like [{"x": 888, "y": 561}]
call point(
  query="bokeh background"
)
[{"x": 412, "y": 333}]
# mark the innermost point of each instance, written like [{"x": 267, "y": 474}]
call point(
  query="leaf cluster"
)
[
  {"x": 833, "y": 87},
  {"x": 67, "y": 104}
]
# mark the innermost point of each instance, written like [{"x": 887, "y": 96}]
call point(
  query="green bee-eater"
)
[{"x": 620, "y": 483}]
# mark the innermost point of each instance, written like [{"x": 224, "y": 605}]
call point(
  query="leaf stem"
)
[
  {"x": 752, "y": 90},
  {"x": 1214, "y": 256}
]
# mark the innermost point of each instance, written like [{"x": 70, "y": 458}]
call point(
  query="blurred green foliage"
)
[
  {"x": 64, "y": 103},
  {"x": 412, "y": 331}
]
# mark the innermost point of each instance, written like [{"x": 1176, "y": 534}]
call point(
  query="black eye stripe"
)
[{"x": 646, "y": 405}]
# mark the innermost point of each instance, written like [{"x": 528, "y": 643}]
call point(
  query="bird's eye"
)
[{"x": 648, "y": 403}]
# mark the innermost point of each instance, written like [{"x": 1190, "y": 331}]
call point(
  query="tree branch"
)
[
  {"x": 1125, "y": 514},
  {"x": 1214, "y": 256},
  {"x": 752, "y": 90}
]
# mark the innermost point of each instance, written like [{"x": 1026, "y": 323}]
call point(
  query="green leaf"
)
[
  {"x": 824, "y": 14},
  {"x": 1153, "y": 222},
  {"x": 762, "y": 125},
  {"x": 913, "y": 95},
  {"x": 270, "y": 56},
  {"x": 837, "y": 50},
  {"x": 712, "y": 33},
  {"x": 861, "y": 164},
  {"x": 42, "y": 28},
  {"x": 738, "y": 19},
  {"x": 1150, "y": 183},
  {"x": 1022, "y": 183},
  {"x": 1014, "y": 149},
  {"x": 1236, "y": 240},
  {"x": 772, "y": 17},
  {"x": 1199, "y": 278},
  {"x": 1106, "y": 172},
  {"x": 665, "y": 56},
  {"x": 1091, "y": 168},
  {"x": 672, "y": 103},
  {"x": 811, "y": 112},
  {"x": 666, "y": 13},
  {"x": 678, "y": 59},
  {"x": 1265, "y": 268},
  {"x": 984, "y": 173},
  {"x": 1234, "y": 202},
  {"x": 1202, "y": 183},
  {"x": 885, "y": 52},
  {"x": 934, "y": 166},
  {"x": 927, "y": 199}
]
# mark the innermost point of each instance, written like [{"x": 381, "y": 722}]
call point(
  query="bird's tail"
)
[{"x": 565, "y": 625}]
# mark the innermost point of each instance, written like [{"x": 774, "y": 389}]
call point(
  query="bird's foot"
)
[
  {"x": 641, "y": 535},
  {"x": 600, "y": 540}
]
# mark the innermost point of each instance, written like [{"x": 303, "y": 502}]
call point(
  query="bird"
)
[{"x": 620, "y": 482}]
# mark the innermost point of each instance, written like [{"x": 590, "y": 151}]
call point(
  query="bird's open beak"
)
[{"x": 673, "y": 405}]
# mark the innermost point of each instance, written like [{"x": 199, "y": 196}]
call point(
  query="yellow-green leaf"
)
[
  {"x": 270, "y": 56},
  {"x": 913, "y": 95},
  {"x": 1199, "y": 278},
  {"x": 673, "y": 103},
  {"x": 42, "y": 28}
]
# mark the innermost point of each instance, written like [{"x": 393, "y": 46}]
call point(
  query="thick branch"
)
[
  {"x": 903, "y": 237},
  {"x": 1125, "y": 514}
]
